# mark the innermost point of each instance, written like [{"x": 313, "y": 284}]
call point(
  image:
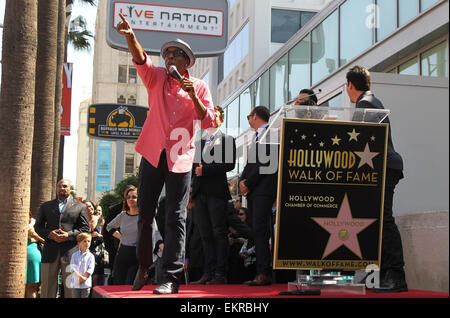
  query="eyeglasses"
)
[
  {"x": 175, "y": 53},
  {"x": 131, "y": 197},
  {"x": 241, "y": 214}
]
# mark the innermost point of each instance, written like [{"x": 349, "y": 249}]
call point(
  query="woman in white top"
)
[{"x": 125, "y": 263}]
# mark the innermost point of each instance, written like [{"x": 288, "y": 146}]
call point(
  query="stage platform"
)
[{"x": 243, "y": 291}]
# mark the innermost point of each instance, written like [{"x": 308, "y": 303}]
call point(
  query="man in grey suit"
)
[{"x": 59, "y": 221}]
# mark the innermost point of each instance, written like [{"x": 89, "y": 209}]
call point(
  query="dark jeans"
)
[
  {"x": 391, "y": 250},
  {"x": 211, "y": 218},
  {"x": 125, "y": 265},
  {"x": 151, "y": 182},
  {"x": 261, "y": 210}
]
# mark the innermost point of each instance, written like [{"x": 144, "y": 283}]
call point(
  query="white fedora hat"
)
[{"x": 183, "y": 46}]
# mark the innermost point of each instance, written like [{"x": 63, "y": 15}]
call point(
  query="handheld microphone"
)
[
  {"x": 294, "y": 99},
  {"x": 173, "y": 69}
]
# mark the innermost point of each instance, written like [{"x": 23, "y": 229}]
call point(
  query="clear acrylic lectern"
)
[
  {"x": 325, "y": 280},
  {"x": 344, "y": 114}
]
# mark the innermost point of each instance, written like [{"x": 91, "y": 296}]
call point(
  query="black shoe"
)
[
  {"x": 167, "y": 288},
  {"x": 261, "y": 280},
  {"x": 142, "y": 276},
  {"x": 392, "y": 282},
  {"x": 203, "y": 280},
  {"x": 217, "y": 280}
]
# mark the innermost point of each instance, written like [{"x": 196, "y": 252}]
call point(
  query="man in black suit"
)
[
  {"x": 259, "y": 185},
  {"x": 211, "y": 194},
  {"x": 59, "y": 221},
  {"x": 392, "y": 263}
]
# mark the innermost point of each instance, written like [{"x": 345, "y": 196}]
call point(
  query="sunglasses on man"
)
[{"x": 175, "y": 53}]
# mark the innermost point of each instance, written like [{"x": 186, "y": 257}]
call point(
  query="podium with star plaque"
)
[{"x": 331, "y": 176}]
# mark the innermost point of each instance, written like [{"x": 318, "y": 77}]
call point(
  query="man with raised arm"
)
[{"x": 167, "y": 147}]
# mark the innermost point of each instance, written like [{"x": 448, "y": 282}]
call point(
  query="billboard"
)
[
  {"x": 66, "y": 100},
  {"x": 116, "y": 121},
  {"x": 103, "y": 175},
  {"x": 203, "y": 24}
]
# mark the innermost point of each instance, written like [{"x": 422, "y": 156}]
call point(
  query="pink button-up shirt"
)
[{"x": 171, "y": 119}]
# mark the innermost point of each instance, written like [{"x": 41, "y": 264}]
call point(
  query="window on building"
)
[
  {"x": 410, "y": 67},
  {"x": 426, "y": 4},
  {"x": 132, "y": 100},
  {"x": 407, "y": 10},
  {"x": 122, "y": 74},
  {"x": 261, "y": 90},
  {"x": 325, "y": 48},
  {"x": 305, "y": 17},
  {"x": 278, "y": 84},
  {"x": 132, "y": 75},
  {"x": 233, "y": 118},
  {"x": 245, "y": 102},
  {"x": 225, "y": 121},
  {"x": 434, "y": 61},
  {"x": 299, "y": 70},
  {"x": 236, "y": 51},
  {"x": 285, "y": 23},
  {"x": 356, "y": 33},
  {"x": 129, "y": 163},
  {"x": 386, "y": 18},
  {"x": 121, "y": 99},
  {"x": 336, "y": 101}
]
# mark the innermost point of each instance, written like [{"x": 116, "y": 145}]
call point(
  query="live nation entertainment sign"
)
[{"x": 201, "y": 23}]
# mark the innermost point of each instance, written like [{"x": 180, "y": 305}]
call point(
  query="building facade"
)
[
  {"x": 82, "y": 150},
  {"x": 404, "y": 43},
  {"x": 115, "y": 80},
  {"x": 251, "y": 43}
]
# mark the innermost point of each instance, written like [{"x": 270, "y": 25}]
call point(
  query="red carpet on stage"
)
[{"x": 243, "y": 291}]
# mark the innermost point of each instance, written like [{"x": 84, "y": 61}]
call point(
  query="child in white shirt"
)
[{"x": 82, "y": 266}]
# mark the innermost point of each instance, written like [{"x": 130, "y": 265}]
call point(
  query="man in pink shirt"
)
[{"x": 167, "y": 148}]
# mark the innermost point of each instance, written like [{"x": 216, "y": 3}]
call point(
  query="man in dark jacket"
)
[
  {"x": 59, "y": 222},
  {"x": 211, "y": 194},
  {"x": 259, "y": 185},
  {"x": 392, "y": 263}
]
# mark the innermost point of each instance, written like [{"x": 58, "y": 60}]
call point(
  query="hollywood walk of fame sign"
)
[{"x": 330, "y": 194}]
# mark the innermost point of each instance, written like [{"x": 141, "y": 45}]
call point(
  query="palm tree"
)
[
  {"x": 61, "y": 49},
  {"x": 44, "y": 116},
  {"x": 16, "y": 136}
]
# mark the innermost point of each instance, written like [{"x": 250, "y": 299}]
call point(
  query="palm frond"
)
[
  {"x": 79, "y": 35},
  {"x": 79, "y": 40}
]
